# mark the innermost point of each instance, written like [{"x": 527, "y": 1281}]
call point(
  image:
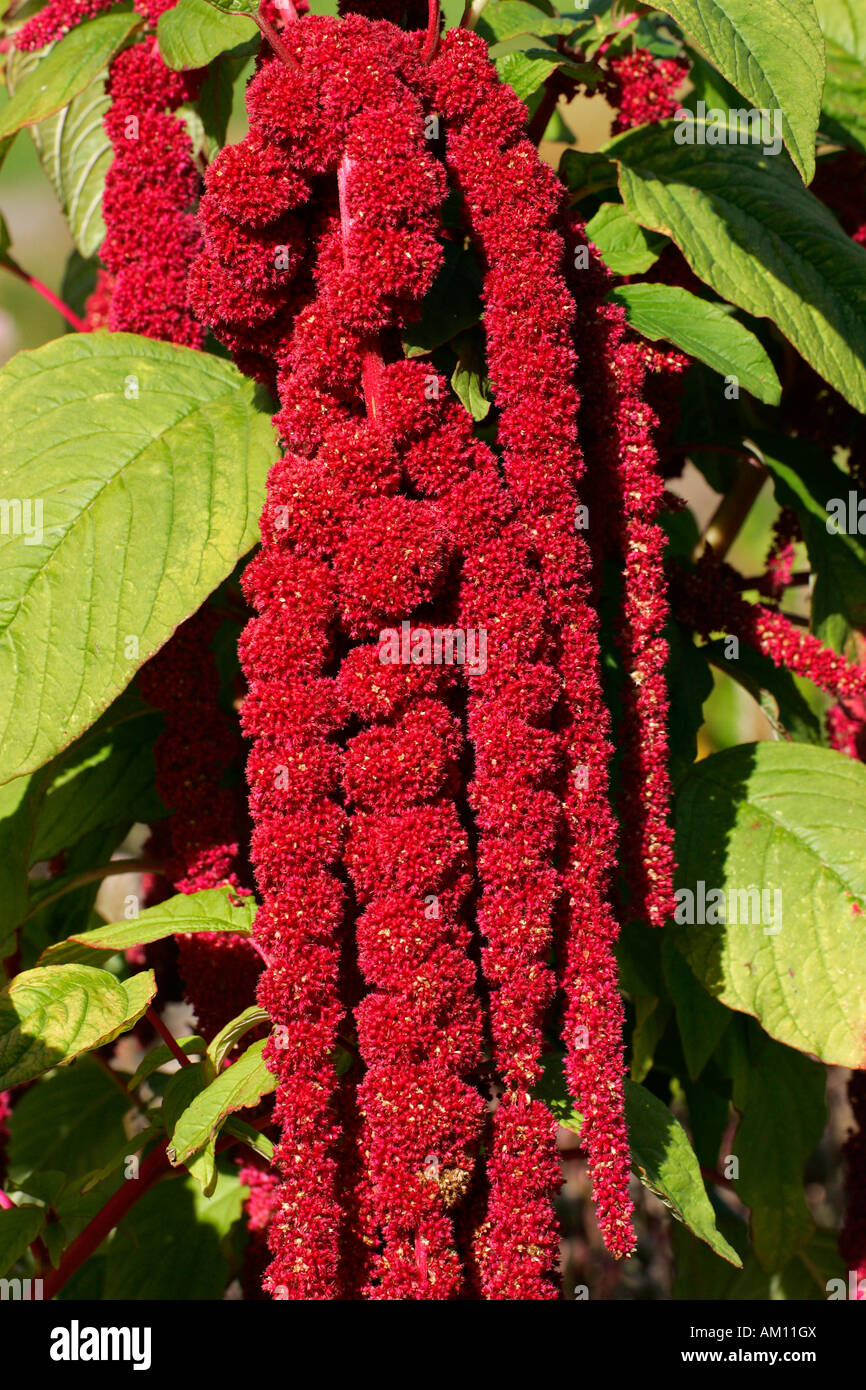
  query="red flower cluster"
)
[
  {"x": 642, "y": 88},
  {"x": 529, "y": 321},
  {"x": 710, "y": 601},
  {"x": 151, "y": 233},
  {"x": 219, "y": 971},
  {"x": 56, "y": 20}
]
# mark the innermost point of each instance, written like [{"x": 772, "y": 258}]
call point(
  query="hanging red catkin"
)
[
  {"x": 710, "y": 601},
  {"x": 528, "y": 317},
  {"x": 336, "y": 523},
  {"x": 619, "y": 427},
  {"x": 56, "y": 20}
]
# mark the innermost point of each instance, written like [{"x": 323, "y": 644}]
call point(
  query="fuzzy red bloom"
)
[
  {"x": 643, "y": 88},
  {"x": 529, "y": 317},
  {"x": 711, "y": 601},
  {"x": 56, "y": 20}
]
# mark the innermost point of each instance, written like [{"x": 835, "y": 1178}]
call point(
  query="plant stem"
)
[
  {"x": 371, "y": 358},
  {"x": 273, "y": 38},
  {"x": 546, "y": 107},
  {"x": 727, "y": 520},
  {"x": 167, "y": 1036},
  {"x": 155, "y": 1166},
  {"x": 46, "y": 293},
  {"x": 431, "y": 42},
  {"x": 6, "y": 1203},
  {"x": 109, "y": 870}
]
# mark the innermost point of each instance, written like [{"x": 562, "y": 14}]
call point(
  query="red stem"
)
[
  {"x": 431, "y": 41},
  {"x": 167, "y": 1036},
  {"x": 546, "y": 107},
  {"x": 6, "y": 1203},
  {"x": 155, "y": 1166},
  {"x": 46, "y": 293},
  {"x": 273, "y": 38}
]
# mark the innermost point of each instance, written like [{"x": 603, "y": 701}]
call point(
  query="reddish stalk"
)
[
  {"x": 431, "y": 41},
  {"x": 6, "y": 1204},
  {"x": 155, "y": 1166},
  {"x": 371, "y": 358},
  {"x": 273, "y": 38},
  {"x": 167, "y": 1036},
  {"x": 46, "y": 293}
]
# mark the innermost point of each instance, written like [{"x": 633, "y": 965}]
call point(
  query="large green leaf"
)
[
  {"x": 704, "y": 330},
  {"x": 149, "y": 461},
  {"x": 701, "y": 1020},
  {"x": 50, "y": 1015},
  {"x": 508, "y": 19},
  {"x": 211, "y": 909},
  {"x": 786, "y": 817},
  {"x": 844, "y": 25},
  {"x": 75, "y": 153},
  {"x": 237, "y": 1088},
  {"x": 18, "y": 1227},
  {"x": 664, "y": 1160},
  {"x": 69, "y": 1122},
  {"x": 749, "y": 228},
  {"x": 234, "y": 1030},
  {"x": 181, "y": 1091},
  {"x": 772, "y": 53},
  {"x": 780, "y": 1095},
  {"x": 195, "y": 32},
  {"x": 173, "y": 1244},
  {"x": 68, "y": 68}
]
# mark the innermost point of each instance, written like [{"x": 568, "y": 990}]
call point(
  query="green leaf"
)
[
  {"x": 173, "y": 1244},
  {"x": 749, "y": 229},
  {"x": 71, "y": 1120},
  {"x": 704, "y": 330},
  {"x": 242, "y": 1085},
  {"x": 524, "y": 73},
  {"x": 259, "y": 1143},
  {"x": 248, "y": 7},
  {"x": 844, "y": 104},
  {"x": 69, "y": 67},
  {"x": 182, "y": 1089},
  {"x": 787, "y": 817},
  {"x": 49, "y": 1016},
  {"x": 75, "y": 153},
  {"x": 701, "y": 1019},
  {"x": 773, "y": 54},
  {"x": 508, "y": 19},
  {"x": 781, "y": 1097},
  {"x": 585, "y": 172},
  {"x": 130, "y": 1147},
  {"x": 665, "y": 1163},
  {"x": 159, "y": 1056},
  {"x": 191, "y": 35},
  {"x": 211, "y": 909},
  {"x": 226, "y": 1038},
  {"x": 469, "y": 385},
  {"x": 625, "y": 248},
  {"x": 141, "y": 452},
  {"x": 452, "y": 305},
  {"x": 18, "y": 1227},
  {"x": 774, "y": 689},
  {"x": 661, "y": 1154}
]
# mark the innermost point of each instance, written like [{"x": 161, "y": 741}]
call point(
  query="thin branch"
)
[
  {"x": 167, "y": 1036},
  {"x": 283, "y": 53},
  {"x": 47, "y": 294},
  {"x": 109, "y": 870},
  {"x": 431, "y": 41}
]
